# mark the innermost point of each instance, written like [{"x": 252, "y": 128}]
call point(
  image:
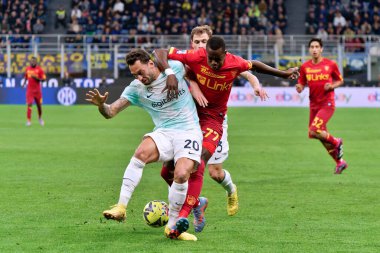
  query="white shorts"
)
[
  {"x": 221, "y": 152},
  {"x": 173, "y": 144}
]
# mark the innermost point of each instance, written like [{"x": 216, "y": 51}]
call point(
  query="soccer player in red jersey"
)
[
  {"x": 322, "y": 76},
  {"x": 215, "y": 70},
  {"x": 34, "y": 75},
  {"x": 198, "y": 38}
]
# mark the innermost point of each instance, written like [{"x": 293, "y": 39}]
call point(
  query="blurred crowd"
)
[
  {"x": 22, "y": 17},
  {"x": 344, "y": 17},
  {"x": 157, "y": 17}
]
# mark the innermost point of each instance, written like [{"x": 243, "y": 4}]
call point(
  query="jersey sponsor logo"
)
[
  {"x": 164, "y": 101},
  {"x": 205, "y": 70},
  {"x": 317, "y": 77},
  {"x": 311, "y": 70},
  {"x": 215, "y": 85}
]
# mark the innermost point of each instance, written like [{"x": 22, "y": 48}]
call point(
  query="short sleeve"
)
[
  {"x": 131, "y": 93},
  {"x": 243, "y": 64},
  {"x": 178, "y": 68},
  {"x": 184, "y": 56},
  {"x": 42, "y": 74},
  {"x": 302, "y": 78},
  {"x": 336, "y": 73}
]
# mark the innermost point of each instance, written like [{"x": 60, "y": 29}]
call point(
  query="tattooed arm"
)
[{"x": 107, "y": 110}]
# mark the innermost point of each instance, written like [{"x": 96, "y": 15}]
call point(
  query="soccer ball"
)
[{"x": 156, "y": 213}]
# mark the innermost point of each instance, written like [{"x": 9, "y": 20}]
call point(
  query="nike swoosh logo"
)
[
  {"x": 148, "y": 96},
  {"x": 192, "y": 153},
  {"x": 217, "y": 158}
]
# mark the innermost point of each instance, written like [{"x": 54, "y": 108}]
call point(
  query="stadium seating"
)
[
  {"x": 335, "y": 17},
  {"x": 161, "y": 17},
  {"x": 22, "y": 17}
]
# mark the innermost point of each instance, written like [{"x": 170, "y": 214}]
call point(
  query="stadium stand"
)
[
  {"x": 23, "y": 17},
  {"x": 18, "y": 19},
  {"x": 158, "y": 17},
  {"x": 343, "y": 17}
]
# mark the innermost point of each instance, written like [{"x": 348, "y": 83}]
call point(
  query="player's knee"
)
[
  {"x": 313, "y": 134},
  {"x": 181, "y": 175},
  {"x": 182, "y": 170},
  {"x": 216, "y": 172},
  {"x": 142, "y": 155}
]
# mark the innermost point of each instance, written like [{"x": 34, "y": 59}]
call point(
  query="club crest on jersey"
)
[
  {"x": 233, "y": 73},
  {"x": 327, "y": 68}
]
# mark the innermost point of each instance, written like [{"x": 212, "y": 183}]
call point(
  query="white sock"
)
[
  {"x": 227, "y": 183},
  {"x": 177, "y": 196},
  {"x": 131, "y": 179}
]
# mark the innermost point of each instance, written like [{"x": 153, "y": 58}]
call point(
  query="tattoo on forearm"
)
[{"x": 104, "y": 109}]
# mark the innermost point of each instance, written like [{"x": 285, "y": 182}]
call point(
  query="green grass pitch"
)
[{"x": 56, "y": 180}]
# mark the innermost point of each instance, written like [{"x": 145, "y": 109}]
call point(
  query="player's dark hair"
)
[
  {"x": 137, "y": 55},
  {"x": 316, "y": 40},
  {"x": 216, "y": 43}
]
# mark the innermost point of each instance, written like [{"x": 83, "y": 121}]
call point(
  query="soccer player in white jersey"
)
[{"x": 176, "y": 124}]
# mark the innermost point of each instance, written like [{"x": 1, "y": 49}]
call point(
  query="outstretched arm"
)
[
  {"x": 161, "y": 58},
  {"x": 255, "y": 84},
  {"x": 260, "y": 67},
  {"x": 108, "y": 111}
]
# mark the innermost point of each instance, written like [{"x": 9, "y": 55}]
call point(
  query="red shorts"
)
[
  {"x": 32, "y": 96},
  {"x": 319, "y": 118},
  {"x": 212, "y": 133}
]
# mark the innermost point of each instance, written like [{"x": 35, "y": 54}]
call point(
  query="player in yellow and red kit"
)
[
  {"x": 34, "y": 75},
  {"x": 322, "y": 76},
  {"x": 215, "y": 70}
]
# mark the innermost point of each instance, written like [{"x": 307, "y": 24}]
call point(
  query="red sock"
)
[
  {"x": 331, "y": 139},
  {"x": 29, "y": 113},
  {"x": 194, "y": 190},
  {"x": 333, "y": 154},
  {"x": 167, "y": 174}
]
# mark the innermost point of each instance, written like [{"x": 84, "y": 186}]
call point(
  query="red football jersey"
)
[
  {"x": 316, "y": 76},
  {"x": 33, "y": 84},
  {"x": 215, "y": 85}
]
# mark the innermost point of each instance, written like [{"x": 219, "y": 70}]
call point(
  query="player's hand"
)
[
  {"x": 328, "y": 87},
  {"x": 262, "y": 93},
  {"x": 292, "y": 73},
  {"x": 198, "y": 95},
  {"x": 171, "y": 86},
  {"x": 96, "y": 98},
  {"x": 299, "y": 87}
]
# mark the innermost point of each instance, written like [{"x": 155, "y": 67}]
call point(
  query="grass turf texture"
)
[{"x": 56, "y": 181}]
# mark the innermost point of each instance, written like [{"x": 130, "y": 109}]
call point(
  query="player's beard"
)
[{"x": 149, "y": 79}]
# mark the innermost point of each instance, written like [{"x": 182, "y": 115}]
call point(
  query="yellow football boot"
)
[
  {"x": 232, "y": 202},
  {"x": 117, "y": 212}
]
